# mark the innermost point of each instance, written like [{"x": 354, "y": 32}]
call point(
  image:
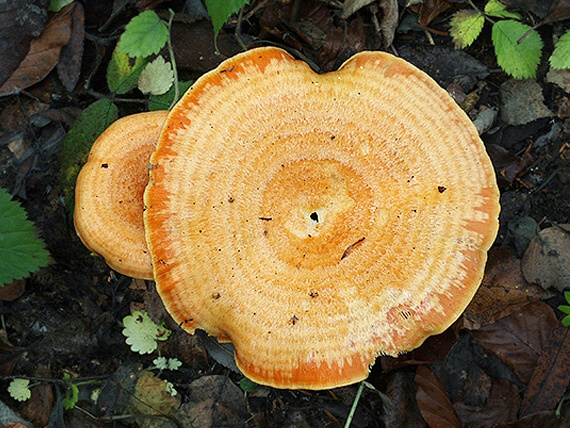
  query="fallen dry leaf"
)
[
  {"x": 501, "y": 406},
  {"x": 503, "y": 285},
  {"x": 403, "y": 410},
  {"x": 519, "y": 338},
  {"x": 546, "y": 261},
  {"x": 21, "y": 21},
  {"x": 43, "y": 55},
  {"x": 522, "y": 102},
  {"x": 69, "y": 66},
  {"x": 431, "y": 9},
  {"x": 213, "y": 401},
  {"x": 507, "y": 165},
  {"x": 432, "y": 399},
  {"x": 550, "y": 378}
]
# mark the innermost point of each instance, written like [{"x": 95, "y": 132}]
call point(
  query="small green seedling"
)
[
  {"x": 142, "y": 333},
  {"x": 518, "y": 46},
  {"x": 19, "y": 389},
  {"x": 71, "y": 394},
  {"x": 566, "y": 310},
  {"x": 163, "y": 363},
  {"x": 247, "y": 385}
]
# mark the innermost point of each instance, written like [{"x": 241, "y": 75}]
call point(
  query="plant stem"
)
[
  {"x": 354, "y": 404},
  {"x": 172, "y": 61}
]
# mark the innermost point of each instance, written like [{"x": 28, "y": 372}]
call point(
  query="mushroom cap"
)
[
  {"x": 109, "y": 191},
  {"x": 317, "y": 221}
]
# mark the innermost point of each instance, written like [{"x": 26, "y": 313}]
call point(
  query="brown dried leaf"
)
[
  {"x": 403, "y": 412},
  {"x": 430, "y": 10},
  {"x": 507, "y": 165},
  {"x": 434, "y": 405},
  {"x": 503, "y": 285},
  {"x": 20, "y": 22},
  {"x": 69, "y": 66},
  {"x": 43, "y": 55},
  {"x": 559, "y": 11},
  {"x": 546, "y": 261},
  {"x": 549, "y": 380},
  {"x": 38, "y": 407},
  {"x": 519, "y": 338},
  {"x": 390, "y": 20},
  {"x": 351, "y": 6},
  {"x": 544, "y": 419},
  {"x": 213, "y": 401},
  {"x": 522, "y": 102},
  {"x": 502, "y": 405},
  {"x": 11, "y": 292}
]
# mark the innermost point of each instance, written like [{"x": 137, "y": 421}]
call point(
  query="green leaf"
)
[
  {"x": 57, "y": 5},
  {"x": 520, "y": 60},
  {"x": 564, "y": 308},
  {"x": 465, "y": 26},
  {"x": 78, "y": 141},
  {"x": 123, "y": 72},
  {"x": 561, "y": 56},
  {"x": 157, "y": 77},
  {"x": 144, "y": 35},
  {"x": 567, "y": 296},
  {"x": 19, "y": 389},
  {"x": 221, "y": 10},
  {"x": 21, "y": 251},
  {"x": 566, "y": 321},
  {"x": 499, "y": 10},
  {"x": 142, "y": 333},
  {"x": 163, "y": 102},
  {"x": 71, "y": 395},
  {"x": 247, "y": 385}
]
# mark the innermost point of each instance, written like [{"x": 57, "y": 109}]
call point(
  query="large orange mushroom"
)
[
  {"x": 317, "y": 221},
  {"x": 108, "y": 212}
]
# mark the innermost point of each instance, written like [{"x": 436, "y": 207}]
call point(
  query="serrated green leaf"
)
[
  {"x": 19, "y": 389},
  {"x": 561, "y": 56},
  {"x": 157, "y": 77},
  {"x": 163, "y": 102},
  {"x": 465, "y": 27},
  {"x": 21, "y": 251},
  {"x": 142, "y": 333},
  {"x": 123, "y": 72},
  {"x": 520, "y": 60},
  {"x": 78, "y": 141},
  {"x": 144, "y": 35},
  {"x": 221, "y": 10},
  {"x": 499, "y": 10}
]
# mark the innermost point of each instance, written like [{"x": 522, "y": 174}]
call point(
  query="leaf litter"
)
[{"x": 504, "y": 354}]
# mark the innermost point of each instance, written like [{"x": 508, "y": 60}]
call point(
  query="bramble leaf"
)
[
  {"x": 19, "y": 389},
  {"x": 142, "y": 333},
  {"x": 123, "y": 72},
  {"x": 465, "y": 26},
  {"x": 561, "y": 56},
  {"x": 21, "y": 251},
  {"x": 499, "y": 10},
  {"x": 520, "y": 60},
  {"x": 221, "y": 10},
  {"x": 144, "y": 35},
  {"x": 78, "y": 141},
  {"x": 157, "y": 77}
]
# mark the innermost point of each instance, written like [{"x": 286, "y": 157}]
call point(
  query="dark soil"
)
[{"x": 67, "y": 318}]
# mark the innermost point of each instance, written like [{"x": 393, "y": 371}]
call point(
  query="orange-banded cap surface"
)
[
  {"x": 317, "y": 221},
  {"x": 109, "y": 191}
]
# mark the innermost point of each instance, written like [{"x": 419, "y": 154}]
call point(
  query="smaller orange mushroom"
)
[{"x": 108, "y": 213}]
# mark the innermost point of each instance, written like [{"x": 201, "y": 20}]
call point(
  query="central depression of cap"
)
[{"x": 318, "y": 220}]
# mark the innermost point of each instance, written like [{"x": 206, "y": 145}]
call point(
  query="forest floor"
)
[{"x": 505, "y": 362}]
